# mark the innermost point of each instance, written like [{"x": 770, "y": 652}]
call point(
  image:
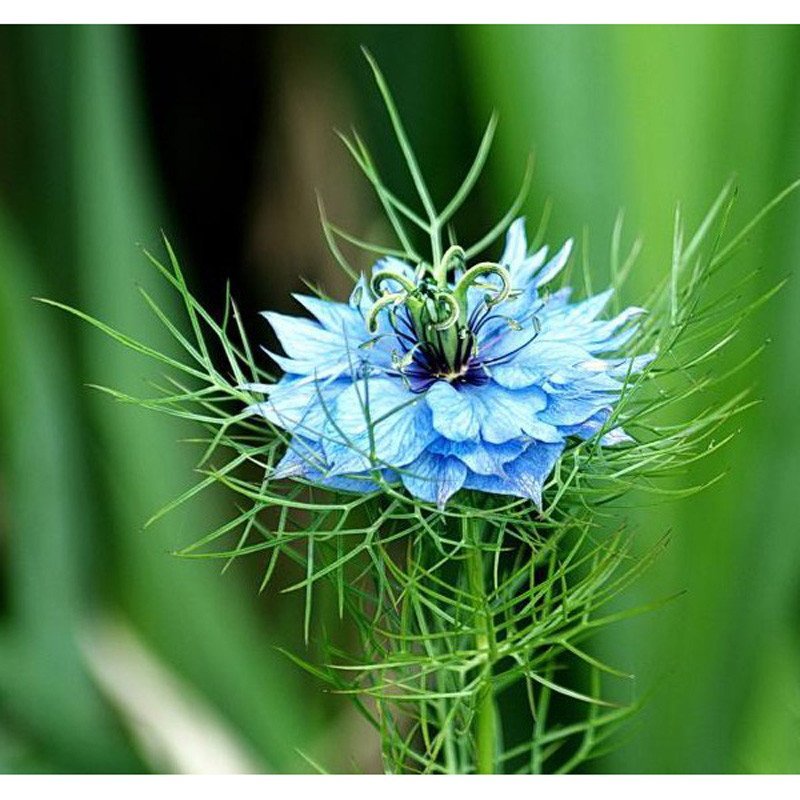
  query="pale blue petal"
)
[
  {"x": 621, "y": 367},
  {"x": 455, "y": 415},
  {"x": 537, "y": 361},
  {"x": 562, "y": 410},
  {"x": 555, "y": 265},
  {"x": 481, "y": 457},
  {"x": 604, "y": 330},
  {"x": 434, "y": 478},
  {"x": 353, "y": 484},
  {"x": 261, "y": 388},
  {"x": 585, "y": 311},
  {"x": 400, "y": 423},
  {"x": 295, "y": 367},
  {"x": 516, "y": 247},
  {"x": 509, "y": 414},
  {"x": 583, "y": 379},
  {"x": 302, "y": 458},
  {"x": 303, "y": 338},
  {"x": 523, "y": 477},
  {"x": 525, "y": 307},
  {"x": 337, "y": 318},
  {"x": 311, "y": 348},
  {"x": 525, "y": 272},
  {"x": 592, "y": 426},
  {"x": 300, "y": 405},
  {"x": 491, "y": 411}
]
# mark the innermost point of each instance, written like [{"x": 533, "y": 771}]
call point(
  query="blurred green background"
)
[{"x": 116, "y": 656}]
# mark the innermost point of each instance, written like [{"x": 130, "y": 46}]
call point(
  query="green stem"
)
[{"x": 485, "y": 724}]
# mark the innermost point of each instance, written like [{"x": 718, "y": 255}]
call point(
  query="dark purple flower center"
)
[{"x": 423, "y": 360}]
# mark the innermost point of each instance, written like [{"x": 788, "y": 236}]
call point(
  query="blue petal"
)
[
  {"x": 508, "y": 414},
  {"x": 400, "y": 423},
  {"x": 311, "y": 349},
  {"x": 523, "y": 477},
  {"x": 590, "y": 428},
  {"x": 353, "y": 484},
  {"x": 338, "y": 318},
  {"x": 522, "y": 276},
  {"x": 302, "y": 458},
  {"x": 621, "y": 367},
  {"x": 299, "y": 404},
  {"x": 565, "y": 410},
  {"x": 261, "y": 388},
  {"x": 294, "y": 367},
  {"x": 434, "y": 478},
  {"x": 481, "y": 457},
  {"x": 491, "y": 411},
  {"x": 303, "y": 338},
  {"x": 602, "y": 331},
  {"x": 580, "y": 313},
  {"x": 455, "y": 415},
  {"x": 616, "y": 436},
  {"x": 516, "y": 247},
  {"x": 582, "y": 379},
  {"x": 555, "y": 265},
  {"x": 536, "y": 362}
]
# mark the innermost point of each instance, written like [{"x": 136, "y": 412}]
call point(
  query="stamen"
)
[{"x": 506, "y": 357}]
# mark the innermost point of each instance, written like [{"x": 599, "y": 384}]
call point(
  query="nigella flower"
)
[{"x": 447, "y": 377}]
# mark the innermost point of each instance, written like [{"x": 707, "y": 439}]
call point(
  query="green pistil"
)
[{"x": 437, "y": 312}]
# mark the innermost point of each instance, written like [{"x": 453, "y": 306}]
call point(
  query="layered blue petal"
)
[
  {"x": 434, "y": 478},
  {"x": 542, "y": 371}
]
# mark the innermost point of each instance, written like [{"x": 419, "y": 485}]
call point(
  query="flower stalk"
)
[{"x": 485, "y": 722}]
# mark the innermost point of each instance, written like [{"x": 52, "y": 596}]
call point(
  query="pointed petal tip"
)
[
  {"x": 254, "y": 410},
  {"x": 294, "y": 470},
  {"x": 261, "y": 388}
]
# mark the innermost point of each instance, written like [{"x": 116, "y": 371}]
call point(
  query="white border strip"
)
[
  {"x": 346, "y": 787},
  {"x": 407, "y": 11}
]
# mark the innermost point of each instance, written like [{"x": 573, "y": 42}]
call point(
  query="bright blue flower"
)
[{"x": 447, "y": 378}]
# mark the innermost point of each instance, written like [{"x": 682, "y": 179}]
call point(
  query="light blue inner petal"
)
[
  {"x": 455, "y": 415},
  {"x": 490, "y": 411},
  {"x": 506, "y": 414},
  {"x": 376, "y": 421},
  {"x": 540, "y": 359}
]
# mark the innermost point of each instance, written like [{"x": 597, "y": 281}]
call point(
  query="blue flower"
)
[{"x": 447, "y": 377}]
